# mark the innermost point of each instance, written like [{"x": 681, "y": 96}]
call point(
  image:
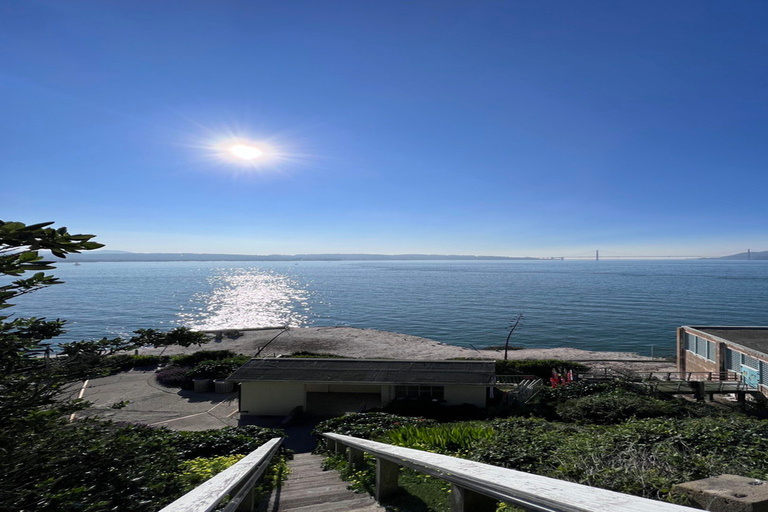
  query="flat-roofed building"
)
[
  {"x": 724, "y": 349},
  {"x": 275, "y": 386}
]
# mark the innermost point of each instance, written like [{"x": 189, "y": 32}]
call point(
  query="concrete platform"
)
[{"x": 147, "y": 402}]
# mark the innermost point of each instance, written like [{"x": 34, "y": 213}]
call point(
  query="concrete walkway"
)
[
  {"x": 310, "y": 489},
  {"x": 136, "y": 397}
]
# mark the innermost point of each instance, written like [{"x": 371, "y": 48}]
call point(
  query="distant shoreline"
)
[
  {"x": 124, "y": 256},
  {"x": 159, "y": 257}
]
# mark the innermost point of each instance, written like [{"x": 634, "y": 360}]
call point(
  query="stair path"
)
[{"x": 310, "y": 489}]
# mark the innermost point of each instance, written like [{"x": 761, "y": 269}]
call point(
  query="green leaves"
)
[{"x": 181, "y": 336}]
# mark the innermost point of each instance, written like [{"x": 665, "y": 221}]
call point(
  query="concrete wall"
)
[
  {"x": 271, "y": 398},
  {"x": 457, "y": 395}
]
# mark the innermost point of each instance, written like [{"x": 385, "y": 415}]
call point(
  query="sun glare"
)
[
  {"x": 246, "y": 152},
  {"x": 233, "y": 150}
]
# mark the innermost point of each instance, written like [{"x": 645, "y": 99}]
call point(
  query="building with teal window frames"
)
[{"x": 720, "y": 352}]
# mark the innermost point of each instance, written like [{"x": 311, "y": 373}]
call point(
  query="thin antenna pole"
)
[{"x": 511, "y": 330}]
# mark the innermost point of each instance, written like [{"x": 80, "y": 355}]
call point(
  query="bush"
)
[
  {"x": 124, "y": 362},
  {"x": 192, "y": 360},
  {"x": 367, "y": 425},
  {"x": 196, "y": 471},
  {"x": 223, "y": 441},
  {"x": 614, "y": 407},
  {"x": 173, "y": 377},
  {"x": 89, "y": 466},
  {"x": 449, "y": 438},
  {"x": 541, "y": 368},
  {"x": 217, "y": 369},
  {"x": 525, "y": 444}
]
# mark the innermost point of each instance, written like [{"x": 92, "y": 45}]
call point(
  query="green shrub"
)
[
  {"x": 124, "y": 362},
  {"x": 196, "y": 471},
  {"x": 191, "y": 360},
  {"x": 217, "y": 369},
  {"x": 174, "y": 377},
  {"x": 647, "y": 457},
  {"x": 614, "y": 407},
  {"x": 541, "y": 368},
  {"x": 448, "y": 438},
  {"x": 223, "y": 441},
  {"x": 364, "y": 425},
  {"x": 521, "y": 443}
]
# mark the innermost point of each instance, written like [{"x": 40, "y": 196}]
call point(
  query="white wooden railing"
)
[
  {"x": 237, "y": 482},
  {"x": 477, "y": 487}
]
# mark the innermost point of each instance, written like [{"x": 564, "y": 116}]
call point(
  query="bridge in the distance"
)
[{"x": 598, "y": 254}]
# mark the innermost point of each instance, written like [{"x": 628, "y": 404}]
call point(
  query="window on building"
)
[
  {"x": 750, "y": 361},
  {"x": 763, "y": 373},
  {"x": 420, "y": 392},
  {"x": 700, "y": 346},
  {"x": 733, "y": 360}
]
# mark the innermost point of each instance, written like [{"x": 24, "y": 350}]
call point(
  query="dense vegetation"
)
[
  {"x": 541, "y": 368},
  {"x": 48, "y": 463},
  {"x": 208, "y": 364},
  {"x": 614, "y": 436}
]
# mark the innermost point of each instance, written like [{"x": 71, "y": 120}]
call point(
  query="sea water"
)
[{"x": 597, "y": 305}]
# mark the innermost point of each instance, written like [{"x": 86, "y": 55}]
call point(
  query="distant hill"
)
[
  {"x": 161, "y": 256},
  {"x": 760, "y": 255}
]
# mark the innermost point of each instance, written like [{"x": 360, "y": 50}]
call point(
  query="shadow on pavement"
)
[{"x": 299, "y": 439}]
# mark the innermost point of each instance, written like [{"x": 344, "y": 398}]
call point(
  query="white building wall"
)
[
  {"x": 457, "y": 395},
  {"x": 271, "y": 398}
]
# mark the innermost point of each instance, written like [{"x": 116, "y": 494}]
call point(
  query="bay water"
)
[{"x": 596, "y": 305}]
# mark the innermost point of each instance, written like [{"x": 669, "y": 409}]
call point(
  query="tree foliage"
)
[
  {"x": 30, "y": 379},
  {"x": 46, "y": 462}
]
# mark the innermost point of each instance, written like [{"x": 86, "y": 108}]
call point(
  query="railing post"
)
[
  {"x": 464, "y": 500},
  {"x": 355, "y": 458},
  {"x": 338, "y": 447},
  {"x": 247, "y": 504},
  {"x": 387, "y": 474}
]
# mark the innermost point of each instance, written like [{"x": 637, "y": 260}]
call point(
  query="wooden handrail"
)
[
  {"x": 237, "y": 481},
  {"x": 477, "y": 486}
]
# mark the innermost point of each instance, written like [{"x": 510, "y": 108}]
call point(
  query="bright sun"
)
[{"x": 246, "y": 152}]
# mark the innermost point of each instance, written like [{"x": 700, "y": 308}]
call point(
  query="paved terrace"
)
[{"x": 152, "y": 404}]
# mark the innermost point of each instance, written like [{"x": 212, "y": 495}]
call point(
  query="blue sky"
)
[{"x": 498, "y": 127}]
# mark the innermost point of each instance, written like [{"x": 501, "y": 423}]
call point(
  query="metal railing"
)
[
  {"x": 727, "y": 375},
  {"x": 236, "y": 482},
  {"x": 477, "y": 487}
]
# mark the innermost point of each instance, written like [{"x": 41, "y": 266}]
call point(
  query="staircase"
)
[{"x": 310, "y": 489}]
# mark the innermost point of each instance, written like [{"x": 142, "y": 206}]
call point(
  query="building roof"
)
[
  {"x": 366, "y": 371},
  {"x": 755, "y": 338}
]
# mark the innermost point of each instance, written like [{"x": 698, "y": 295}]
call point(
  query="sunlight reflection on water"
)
[{"x": 243, "y": 298}]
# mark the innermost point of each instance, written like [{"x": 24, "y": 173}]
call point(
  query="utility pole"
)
[{"x": 509, "y": 336}]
